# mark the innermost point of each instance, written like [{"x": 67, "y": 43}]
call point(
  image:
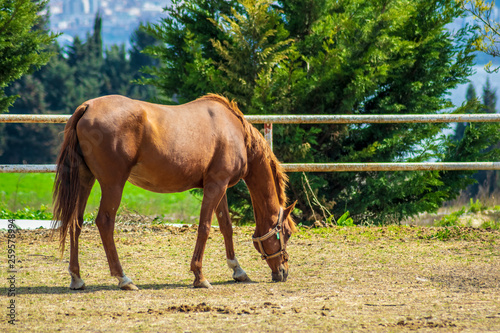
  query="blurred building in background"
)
[{"x": 119, "y": 17}]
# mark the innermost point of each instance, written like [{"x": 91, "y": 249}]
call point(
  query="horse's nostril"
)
[
  {"x": 281, "y": 275},
  {"x": 277, "y": 277},
  {"x": 284, "y": 273}
]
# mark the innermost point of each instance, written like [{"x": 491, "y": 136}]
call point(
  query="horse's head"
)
[{"x": 272, "y": 246}]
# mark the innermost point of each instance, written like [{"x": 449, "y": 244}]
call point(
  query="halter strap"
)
[{"x": 276, "y": 231}]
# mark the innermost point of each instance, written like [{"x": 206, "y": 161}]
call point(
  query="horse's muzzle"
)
[{"x": 281, "y": 275}]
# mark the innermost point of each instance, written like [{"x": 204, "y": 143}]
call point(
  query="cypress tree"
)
[
  {"x": 470, "y": 95},
  {"x": 116, "y": 71},
  {"x": 139, "y": 61},
  {"x": 489, "y": 97}
]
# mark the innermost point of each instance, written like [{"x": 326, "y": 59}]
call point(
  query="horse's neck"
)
[{"x": 260, "y": 182}]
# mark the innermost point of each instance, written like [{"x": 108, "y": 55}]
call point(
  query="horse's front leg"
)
[
  {"x": 212, "y": 194},
  {"x": 226, "y": 229}
]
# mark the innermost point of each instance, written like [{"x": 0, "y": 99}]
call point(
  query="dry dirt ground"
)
[{"x": 369, "y": 279}]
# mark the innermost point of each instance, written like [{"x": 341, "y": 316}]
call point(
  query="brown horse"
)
[{"x": 204, "y": 144}]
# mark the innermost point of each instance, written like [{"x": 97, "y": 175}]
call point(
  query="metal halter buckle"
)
[{"x": 276, "y": 231}]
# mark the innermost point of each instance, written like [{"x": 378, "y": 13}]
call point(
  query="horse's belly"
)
[{"x": 163, "y": 181}]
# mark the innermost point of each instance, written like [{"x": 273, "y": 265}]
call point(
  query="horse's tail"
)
[{"x": 67, "y": 181}]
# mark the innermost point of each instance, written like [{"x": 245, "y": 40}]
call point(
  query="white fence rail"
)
[
  {"x": 306, "y": 119},
  {"x": 302, "y": 119}
]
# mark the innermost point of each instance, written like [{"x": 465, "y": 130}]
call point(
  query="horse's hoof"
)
[
  {"x": 77, "y": 287},
  {"x": 76, "y": 283},
  {"x": 129, "y": 286},
  {"x": 203, "y": 284},
  {"x": 241, "y": 277},
  {"x": 124, "y": 283},
  {"x": 243, "y": 280}
]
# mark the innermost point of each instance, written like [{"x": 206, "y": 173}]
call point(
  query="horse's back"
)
[{"x": 162, "y": 148}]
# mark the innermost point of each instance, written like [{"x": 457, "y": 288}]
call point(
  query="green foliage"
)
[
  {"x": 480, "y": 141},
  {"x": 493, "y": 225},
  {"x": 26, "y": 213},
  {"x": 470, "y": 96},
  {"x": 256, "y": 43},
  {"x": 451, "y": 219},
  {"x": 82, "y": 71},
  {"x": 456, "y": 233},
  {"x": 24, "y": 44},
  {"x": 342, "y": 57},
  {"x": 443, "y": 234},
  {"x": 345, "y": 220},
  {"x": 476, "y": 207},
  {"x": 488, "y": 38}
]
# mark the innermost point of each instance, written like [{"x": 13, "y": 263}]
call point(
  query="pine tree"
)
[
  {"x": 116, "y": 71},
  {"x": 86, "y": 58},
  {"x": 185, "y": 49},
  {"x": 139, "y": 41},
  {"x": 139, "y": 61},
  {"x": 340, "y": 67},
  {"x": 257, "y": 43},
  {"x": 347, "y": 57},
  {"x": 470, "y": 95},
  {"x": 23, "y": 42},
  {"x": 58, "y": 79},
  {"x": 75, "y": 74},
  {"x": 486, "y": 180},
  {"x": 29, "y": 143},
  {"x": 489, "y": 97}
]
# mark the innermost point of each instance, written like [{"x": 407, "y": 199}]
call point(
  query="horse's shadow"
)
[{"x": 102, "y": 287}]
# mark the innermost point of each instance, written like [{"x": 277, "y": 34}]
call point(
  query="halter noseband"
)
[{"x": 276, "y": 231}]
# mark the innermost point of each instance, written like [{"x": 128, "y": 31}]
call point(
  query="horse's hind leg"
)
[
  {"x": 87, "y": 180},
  {"x": 226, "y": 228},
  {"x": 105, "y": 221}
]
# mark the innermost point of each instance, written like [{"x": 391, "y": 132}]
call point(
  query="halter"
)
[{"x": 276, "y": 231}]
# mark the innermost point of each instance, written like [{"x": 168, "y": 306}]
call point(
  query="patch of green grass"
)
[
  {"x": 453, "y": 233},
  {"x": 25, "y": 190},
  {"x": 442, "y": 234},
  {"x": 451, "y": 219},
  {"x": 18, "y": 191},
  {"x": 494, "y": 225},
  {"x": 476, "y": 207}
]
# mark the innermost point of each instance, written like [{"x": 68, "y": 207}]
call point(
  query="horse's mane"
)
[{"x": 255, "y": 141}]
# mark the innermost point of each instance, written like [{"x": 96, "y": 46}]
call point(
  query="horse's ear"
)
[
  {"x": 288, "y": 218},
  {"x": 288, "y": 210}
]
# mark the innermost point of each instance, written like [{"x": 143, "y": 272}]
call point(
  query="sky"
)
[{"x": 478, "y": 79}]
